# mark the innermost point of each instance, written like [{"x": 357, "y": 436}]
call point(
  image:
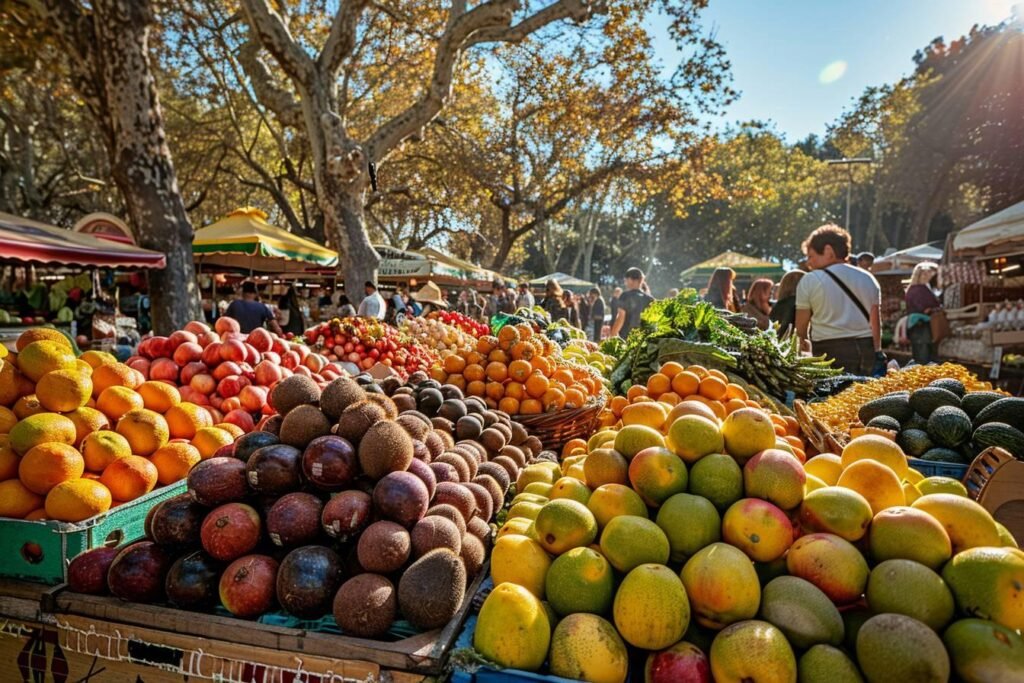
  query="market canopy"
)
[
  {"x": 901, "y": 262},
  {"x": 244, "y": 240},
  {"x": 566, "y": 282},
  {"x": 429, "y": 264},
  {"x": 746, "y": 267},
  {"x": 1001, "y": 234},
  {"x": 30, "y": 241}
]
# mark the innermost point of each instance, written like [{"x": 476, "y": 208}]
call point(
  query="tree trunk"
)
[
  {"x": 141, "y": 159},
  {"x": 505, "y": 243}
]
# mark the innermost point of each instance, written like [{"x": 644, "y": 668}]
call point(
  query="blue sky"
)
[{"x": 800, "y": 63}]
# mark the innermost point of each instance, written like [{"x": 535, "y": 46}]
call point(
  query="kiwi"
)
[
  {"x": 493, "y": 440},
  {"x": 404, "y": 390},
  {"x": 519, "y": 433},
  {"x": 365, "y": 606},
  {"x": 420, "y": 451},
  {"x": 357, "y": 419},
  {"x": 390, "y": 409},
  {"x": 470, "y": 457},
  {"x": 484, "y": 502},
  {"x": 384, "y": 547},
  {"x": 431, "y": 590},
  {"x": 435, "y": 444},
  {"x": 449, "y": 512},
  {"x": 435, "y": 532},
  {"x": 509, "y": 464},
  {"x": 340, "y": 394},
  {"x": 475, "y": 405},
  {"x": 469, "y": 427},
  {"x": 505, "y": 430},
  {"x": 415, "y": 427},
  {"x": 302, "y": 424},
  {"x": 496, "y": 472},
  {"x": 480, "y": 529},
  {"x": 515, "y": 453},
  {"x": 385, "y": 448},
  {"x": 457, "y": 461},
  {"x": 446, "y": 437},
  {"x": 390, "y": 385},
  {"x": 290, "y": 392},
  {"x": 493, "y": 489},
  {"x": 444, "y": 472},
  {"x": 417, "y": 377},
  {"x": 534, "y": 445},
  {"x": 458, "y": 496},
  {"x": 473, "y": 554},
  {"x": 404, "y": 402},
  {"x": 476, "y": 447},
  {"x": 442, "y": 424}
]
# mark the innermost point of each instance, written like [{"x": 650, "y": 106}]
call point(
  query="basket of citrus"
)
[
  {"x": 87, "y": 447},
  {"x": 524, "y": 373}
]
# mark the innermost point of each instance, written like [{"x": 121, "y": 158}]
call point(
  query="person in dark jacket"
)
[
  {"x": 554, "y": 301},
  {"x": 784, "y": 310},
  {"x": 921, "y": 305},
  {"x": 596, "y": 313}
]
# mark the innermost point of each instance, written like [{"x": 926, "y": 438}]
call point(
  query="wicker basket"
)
[{"x": 556, "y": 429}]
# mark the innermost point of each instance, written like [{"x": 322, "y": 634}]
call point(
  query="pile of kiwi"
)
[{"x": 431, "y": 469}]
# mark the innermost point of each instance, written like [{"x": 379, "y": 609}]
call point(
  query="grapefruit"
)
[
  {"x": 878, "y": 448},
  {"x": 894, "y": 647},
  {"x": 802, "y": 612},
  {"x": 989, "y": 583},
  {"x": 877, "y": 483},
  {"x": 656, "y": 474},
  {"x": 984, "y": 651},
  {"x": 836, "y": 510},
  {"x": 691, "y": 437},
  {"x": 41, "y": 428},
  {"x": 722, "y": 586},
  {"x": 651, "y": 608},
  {"x": 690, "y": 523},
  {"x": 775, "y": 476},
  {"x": 747, "y": 431},
  {"x": 581, "y": 580},
  {"x": 523, "y": 647},
  {"x": 520, "y": 560},
  {"x": 752, "y": 651},
  {"x": 968, "y": 524},
  {"x": 906, "y": 587},
  {"x": 612, "y": 500},
  {"x": 629, "y": 542},
  {"x": 832, "y": 564},
  {"x": 585, "y": 647},
  {"x": 718, "y": 478},
  {"x": 909, "y": 534},
  {"x": 564, "y": 524},
  {"x": 62, "y": 391},
  {"x": 40, "y": 357},
  {"x": 758, "y": 528}
]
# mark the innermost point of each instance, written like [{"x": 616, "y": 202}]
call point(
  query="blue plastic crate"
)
[{"x": 939, "y": 469}]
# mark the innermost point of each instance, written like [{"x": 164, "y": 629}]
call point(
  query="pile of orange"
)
[
  {"x": 521, "y": 373},
  {"x": 79, "y": 435},
  {"x": 652, "y": 404}
]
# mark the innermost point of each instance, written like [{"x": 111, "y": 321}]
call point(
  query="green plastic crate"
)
[{"x": 41, "y": 551}]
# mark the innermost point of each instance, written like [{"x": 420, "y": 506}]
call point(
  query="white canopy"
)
[
  {"x": 1000, "y": 234},
  {"x": 899, "y": 262}
]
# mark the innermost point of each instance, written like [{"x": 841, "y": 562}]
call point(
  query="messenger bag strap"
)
[{"x": 853, "y": 297}]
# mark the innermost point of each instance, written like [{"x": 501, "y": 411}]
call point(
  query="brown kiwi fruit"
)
[
  {"x": 435, "y": 532},
  {"x": 302, "y": 424},
  {"x": 458, "y": 496},
  {"x": 477, "y": 448},
  {"x": 434, "y": 443},
  {"x": 493, "y": 489},
  {"x": 484, "y": 502},
  {"x": 420, "y": 451},
  {"x": 490, "y": 418},
  {"x": 514, "y": 453},
  {"x": 469, "y": 458},
  {"x": 442, "y": 424},
  {"x": 519, "y": 433},
  {"x": 473, "y": 554},
  {"x": 294, "y": 391},
  {"x": 457, "y": 461},
  {"x": 432, "y": 589},
  {"x": 469, "y": 427},
  {"x": 449, "y": 512},
  {"x": 505, "y": 430},
  {"x": 385, "y": 448},
  {"x": 385, "y": 402},
  {"x": 384, "y": 547},
  {"x": 358, "y": 418},
  {"x": 444, "y": 471},
  {"x": 415, "y": 427},
  {"x": 496, "y": 472},
  {"x": 534, "y": 444},
  {"x": 492, "y": 439},
  {"x": 404, "y": 402},
  {"x": 446, "y": 438},
  {"x": 339, "y": 394},
  {"x": 480, "y": 529},
  {"x": 366, "y": 605},
  {"x": 509, "y": 464}
]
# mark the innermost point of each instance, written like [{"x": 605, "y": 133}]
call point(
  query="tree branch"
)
[
  {"x": 273, "y": 34},
  {"x": 283, "y": 103},
  {"x": 342, "y": 39}
]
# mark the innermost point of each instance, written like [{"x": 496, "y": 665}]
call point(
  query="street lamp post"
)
[{"x": 849, "y": 164}]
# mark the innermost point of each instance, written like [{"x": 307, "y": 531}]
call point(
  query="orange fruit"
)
[
  {"x": 736, "y": 391},
  {"x": 438, "y": 373},
  {"x": 476, "y": 388},
  {"x": 618, "y": 404},
  {"x": 145, "y": 430},
  {"x": 537, "y": 385},
  {"x": 658, "y": 384},
  {"x": 61, "y": 391},
  {"x": 792, "y": 426},
  {"x": 48, "y": 464},
  {"x": 232, "y": 429},
  {"x": 519, "y": 370},
  {"x": 185, "y": 418},
  {"x": 530, "y": 406},
  {"x": 454, "y": 363},
  {"x": 174, "y": 460},
  {"x": 636, "y": 390},
  {"x": 685, "y": 383},
  {"x": 474, "y": 372},
  {"x": 497, "y": 372},
  {"x": 509, "y": 405},
  {"x": 77, "y": 500},
  {"x": 97, "y": 358},
  {"x": 159, "y": 396},
  {"x": 495, "y": 391},
  {"x": 671, "y": 369},
  {"x": 486, "y": 344},
  {"x": 129, "y": 478},
  {"x": 508, "y": 334},
  {"x": 115, "y": 401},
  {"x": 523, "y": 351},
  {"x": 7, "y": 419},
  {"x": 574, "y": 398},
  {"x": 698, "y": 370},
  {"x": 564, "y": 376},
  {"x": 115, "y": 375},
  {"x": 474, "y": 358},
  {"x": 457, "y": 380},
  {"x": 712, "y": 387},
  {"x": 670, "y": 398},
  {"x": 101, "y": 448},
  {"x": 8, "y": 460},
  {"x": 87, "y": 420},
  {"x": 516, "y": 390},
  {"x": 572, "y": 445},
  {"x": 40, "y": 334},
  {"x": 16, "y": 500},
  {"x": 208, "y": 440},
  {"x": 542, "y": 365},
  {"x": 498, "y": 356},
  {"x": 37, "y": 515},
  {"x": 28, "y": 405},
  {"x": 41, "y": 357},
  {"x": 552, "y": 400},
  {"x": 714, "y": 372}
]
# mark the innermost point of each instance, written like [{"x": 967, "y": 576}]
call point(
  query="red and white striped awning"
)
[{"x": 24, "y": 240}]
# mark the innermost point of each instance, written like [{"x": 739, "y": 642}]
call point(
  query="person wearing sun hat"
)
[{"x": 430, "y": 296}]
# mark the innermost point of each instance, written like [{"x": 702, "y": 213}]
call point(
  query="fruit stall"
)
[{"x": 445, "y": 500}]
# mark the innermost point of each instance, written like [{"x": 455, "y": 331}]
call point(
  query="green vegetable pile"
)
[{"x": 690, "y": 331}]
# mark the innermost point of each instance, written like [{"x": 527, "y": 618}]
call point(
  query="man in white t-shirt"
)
[
  {"x": 837, "y": 305},
  {"x": 373, "y": 305}
]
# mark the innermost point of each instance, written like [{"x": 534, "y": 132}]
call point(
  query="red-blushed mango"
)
[
  {"x": 758, "y": 528},
  {"x": 752, "y": 651},
  {"x": 657, "y": 474},
  {"x": 836, "y": 510},
  {"x": 909, "y": 534},
  {"x": 832, "y": 564},
  {"x": 747, "y": 432},
  {"x": 776, "y": 476},
  {"x": 722, "y": 586}
]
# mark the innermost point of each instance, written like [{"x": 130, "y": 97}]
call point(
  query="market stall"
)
[
  {"x": 569, "y": 282},
  {"x": 747, "y": 268}
]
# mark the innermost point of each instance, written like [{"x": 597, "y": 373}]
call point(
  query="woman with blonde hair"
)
[
  {"x": 921, "y": 305},
  {"x": 758, "y": 305},
  {"x": 784, "y": 310},
  {"x": 721, "y": 290}
]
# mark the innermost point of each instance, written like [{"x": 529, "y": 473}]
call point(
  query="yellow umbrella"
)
[{"x": 244, "y": 240}]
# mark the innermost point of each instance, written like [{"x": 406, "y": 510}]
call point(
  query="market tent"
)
[
  {"x": 566, "y": 281},
  {"x": 243, "y": 240},
  {"x": 24, "y": 240},
  {"x": 746, "y": 267},
  {"x": 1001, "y": 234},
  {"x": 903, "y": 261},
  {"x": 472, "y": 272}
]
